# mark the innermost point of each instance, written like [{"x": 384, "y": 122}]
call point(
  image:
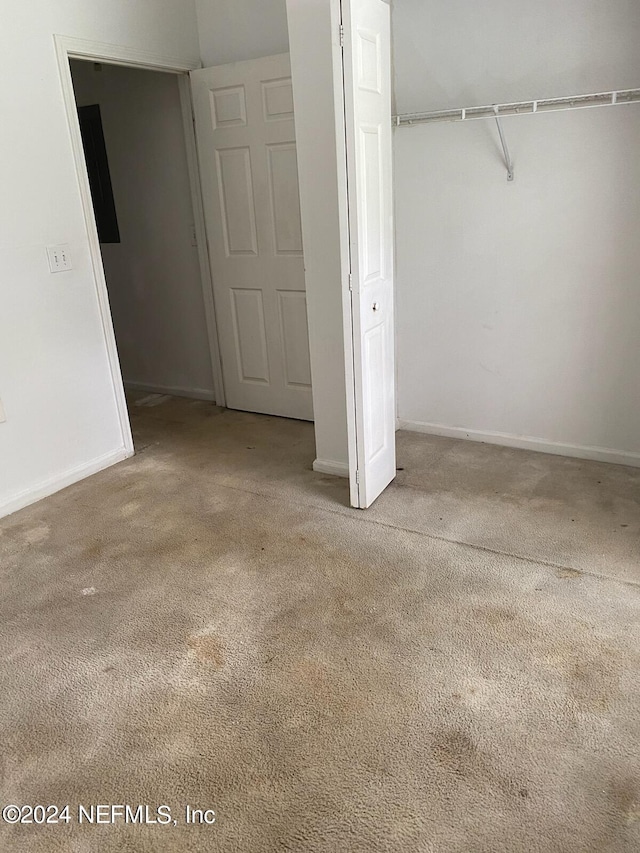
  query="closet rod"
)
[{"x": 575, "y": 102}]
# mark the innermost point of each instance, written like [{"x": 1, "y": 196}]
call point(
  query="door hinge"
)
[
  {"x": 341, "y": 31},
  {"x": 350, "y": 282},
  {"x": 357, "y": 478}
]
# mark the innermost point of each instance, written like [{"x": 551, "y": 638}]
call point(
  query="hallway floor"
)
[{"x": 455, "y": 670}]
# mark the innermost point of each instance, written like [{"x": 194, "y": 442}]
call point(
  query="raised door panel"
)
[
  {"x": 228, "y": 107},
  {"x": 375, "y": 392},
  {"x": 372, "y": 204},
  {"x": 295, "y": 337},
  {"x": 237, "y": 203},
  {"x": 250, "y": 334},
  {"x": 285, "y": 198},
  {"x": 277, "y": 99}
]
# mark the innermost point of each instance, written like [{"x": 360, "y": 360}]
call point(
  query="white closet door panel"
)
[{"x": 366, "y": 58}]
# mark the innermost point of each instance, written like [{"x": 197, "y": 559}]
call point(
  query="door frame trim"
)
[
  {"x": 206, "y": 276},
  {"x": 67, "y": 48},
  {"x": 353, "y": 415}
]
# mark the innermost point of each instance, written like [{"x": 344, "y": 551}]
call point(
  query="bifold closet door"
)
[{"x": 367, "y": 98}]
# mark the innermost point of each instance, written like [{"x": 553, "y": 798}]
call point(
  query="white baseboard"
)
[
  {"x": 327, "y": 466},
  {"x": 524, "y": 442},
  {"x": 55, "y": 484},
  {"x": 173, "y": 390}
]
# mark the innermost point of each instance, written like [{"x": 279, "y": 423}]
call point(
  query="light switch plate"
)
[
  {"x": 3, "y": 417},
  {"x": 59, "y": 258}
]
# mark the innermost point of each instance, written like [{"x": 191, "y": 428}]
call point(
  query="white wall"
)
[
  {"x": 518, "y": 306},
  {"x": 315, "y": 64},
  {"x": 153, "y": 275},
  {"x": 461, "y": 53},
  {"x": 54, "y": 375},
  {"x": 231, "y": 31}
]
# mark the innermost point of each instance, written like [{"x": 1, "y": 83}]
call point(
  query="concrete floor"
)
[{"x": 454, "y": 670}]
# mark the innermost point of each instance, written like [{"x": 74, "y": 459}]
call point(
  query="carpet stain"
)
[
  {"x": 460, "y": 755},
  {"x": 624, "y": 794},
  {"x": 594, "y": 683},
  {"x": 93, "y": 551},
  {"x": 37, "y": 534},
  {"x": 130, "y": 509},
  {"x": 568, "y": 573},
  {"x": 494, "y": 615},
  {"x": 312, "y": 673},
  {"x": 457, "y": 751},
  {"x": 208, "y": 648},
  {"x": 633, "y": 816}
]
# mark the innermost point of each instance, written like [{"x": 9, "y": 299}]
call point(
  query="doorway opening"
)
[
  {"x": 133, "y": 128},
  {"x": 136, "y": 158},
  {"x": 116, "y": 59}
]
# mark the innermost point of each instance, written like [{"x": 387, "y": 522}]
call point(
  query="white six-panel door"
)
[
  {"x": 367, "y": 73},
  {"x": 248, "y": 166}
]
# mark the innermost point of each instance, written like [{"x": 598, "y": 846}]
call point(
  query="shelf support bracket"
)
[{"x": 505, "y": 147}]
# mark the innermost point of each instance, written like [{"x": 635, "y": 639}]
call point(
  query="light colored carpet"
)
[{"x": 209, "y": 624}]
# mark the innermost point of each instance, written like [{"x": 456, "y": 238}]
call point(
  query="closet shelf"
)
[
  {"x": 499, "y": 111},
  {"x": 573, "y": 102}
]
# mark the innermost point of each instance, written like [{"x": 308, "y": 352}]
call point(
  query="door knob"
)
[{"x": 375, "y": 306}]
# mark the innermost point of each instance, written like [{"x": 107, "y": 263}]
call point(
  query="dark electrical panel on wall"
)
[{"x": 95, "y": 154}]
